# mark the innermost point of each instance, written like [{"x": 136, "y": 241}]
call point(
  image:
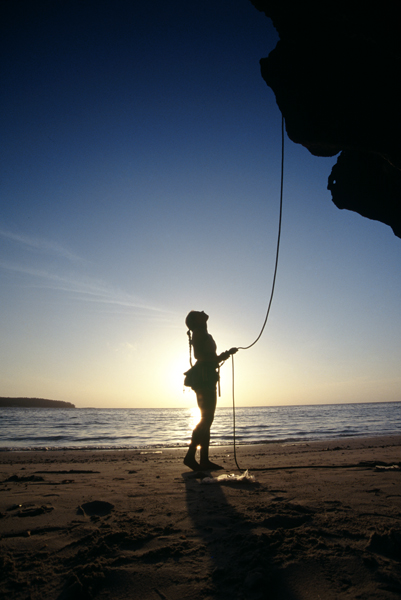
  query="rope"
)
[
  {"x": 273, "y": 283},
  {"x": 278, "y": 241},
  {"x": 235, "y": 450}
]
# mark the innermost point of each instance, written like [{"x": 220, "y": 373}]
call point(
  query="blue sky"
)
[{"x": 140, "y": 180}]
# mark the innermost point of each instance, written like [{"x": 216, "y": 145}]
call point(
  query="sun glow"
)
[{"x": 172, "y": 372}]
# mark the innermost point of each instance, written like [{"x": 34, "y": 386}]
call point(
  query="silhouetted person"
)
[{"x": 204, "y": 378}]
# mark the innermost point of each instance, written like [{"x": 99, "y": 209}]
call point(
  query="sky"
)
[{"x": 140, "y": 179}]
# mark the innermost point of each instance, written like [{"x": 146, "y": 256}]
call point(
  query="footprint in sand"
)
[{"x": 97, "y": 508}]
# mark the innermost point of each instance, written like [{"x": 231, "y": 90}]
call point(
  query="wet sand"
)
[{"x": 322, "y": 521}]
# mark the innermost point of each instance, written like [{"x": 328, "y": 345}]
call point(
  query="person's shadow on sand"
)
[{"x": 240, "y": 558}]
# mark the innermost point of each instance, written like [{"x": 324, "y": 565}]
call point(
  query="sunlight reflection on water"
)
[{"x": 194, "y": 418}]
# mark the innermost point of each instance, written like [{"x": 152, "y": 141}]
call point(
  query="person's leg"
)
[
  {"x": 190, "y": 460},
  {"x": 207, "y": 403},
  {"x": 206, "y": 399}
]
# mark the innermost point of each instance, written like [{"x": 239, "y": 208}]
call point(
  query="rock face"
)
[{"x": 335, "y": 73}]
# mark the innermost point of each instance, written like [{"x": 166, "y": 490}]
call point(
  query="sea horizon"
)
[
  {"x": 239, "y": 405},
  {"x": 138, "y": 428}
]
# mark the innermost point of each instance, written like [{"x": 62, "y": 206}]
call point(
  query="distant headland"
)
[{"x": 33, "y": 403}]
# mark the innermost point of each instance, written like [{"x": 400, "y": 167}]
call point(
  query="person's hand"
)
[{"x": 227, "y": 353}]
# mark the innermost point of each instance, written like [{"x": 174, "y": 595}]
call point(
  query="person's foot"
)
[
  {"x": 210, "y": 466},
  {"x": 189, "y": 461}
]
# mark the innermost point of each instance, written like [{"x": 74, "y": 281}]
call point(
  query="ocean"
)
[{"x": 92, "y": 428}]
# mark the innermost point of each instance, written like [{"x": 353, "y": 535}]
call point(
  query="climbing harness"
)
[{"x": 272, "y": 290}]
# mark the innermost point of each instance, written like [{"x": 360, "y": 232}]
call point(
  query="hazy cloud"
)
[
  {"x": 40, "y": 244},
  {"x": 80, "y": 288}
]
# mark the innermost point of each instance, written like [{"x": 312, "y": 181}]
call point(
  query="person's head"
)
[{"x": 196, "y": 319}]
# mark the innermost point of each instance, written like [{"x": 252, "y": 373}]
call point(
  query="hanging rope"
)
[
  {"x": 278, "y": 241},
  {"x": 235, "y": 450},
  {"x": 273, "y": 283}
]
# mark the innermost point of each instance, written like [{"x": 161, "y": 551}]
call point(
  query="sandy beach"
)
[{"x": 321, "y": 520}]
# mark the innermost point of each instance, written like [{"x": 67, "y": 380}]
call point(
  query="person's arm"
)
[
  {"x": 205, "y": 349},
  {"x": 204, "y": 346}
]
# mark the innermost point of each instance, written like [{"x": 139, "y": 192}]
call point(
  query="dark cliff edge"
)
[
  {"x": 33, "y": 403},
  {"x": 336, "y": 75}
]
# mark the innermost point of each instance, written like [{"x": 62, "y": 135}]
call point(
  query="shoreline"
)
[
  {"x": 156, "y": 447},
  {"x": 321, "y": 518}
]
